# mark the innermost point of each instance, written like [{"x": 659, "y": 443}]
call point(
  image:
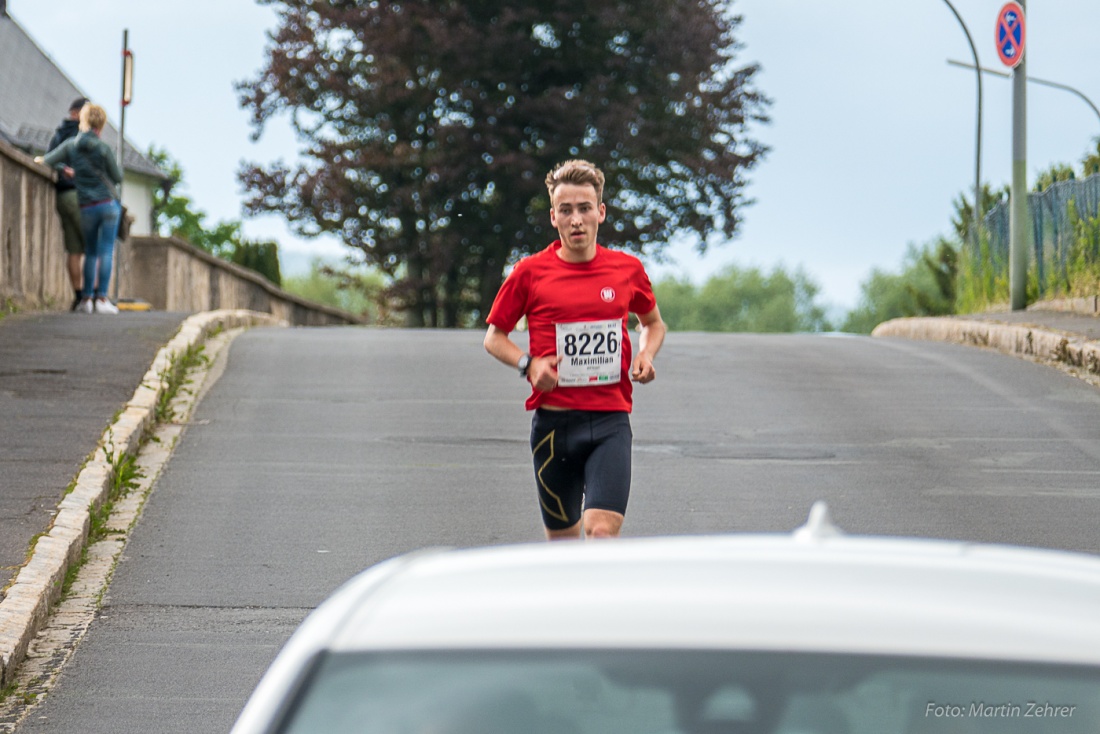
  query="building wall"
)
[{"x": 137, "y": 196}]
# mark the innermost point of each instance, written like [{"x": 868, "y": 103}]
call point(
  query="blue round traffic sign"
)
[{"x": 1011, "y": 34}]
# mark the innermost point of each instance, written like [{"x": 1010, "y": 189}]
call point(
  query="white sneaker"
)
[
  {"x": 102, "y": 305},
  {"x": 85, "y": 306}
]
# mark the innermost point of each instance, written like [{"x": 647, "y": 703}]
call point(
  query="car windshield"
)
[{"x": 688, "y": 692}]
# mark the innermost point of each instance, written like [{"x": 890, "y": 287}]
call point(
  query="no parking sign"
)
[{"x": 1011, "y": 33}]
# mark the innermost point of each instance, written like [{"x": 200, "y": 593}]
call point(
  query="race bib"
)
[{"x": 591, "y": 353}]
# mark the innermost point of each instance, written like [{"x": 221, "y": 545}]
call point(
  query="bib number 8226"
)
[
  {"x": 594, "y": 343},
  {"x": 591, "y": 353}
]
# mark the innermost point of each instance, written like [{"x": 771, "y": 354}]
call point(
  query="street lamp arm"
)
[{"x": 1036, "y": 80}]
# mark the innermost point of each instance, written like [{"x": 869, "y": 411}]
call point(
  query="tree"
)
[
  {"x": 1054, "y": 174},
  {"x": 176, "y": 214},
  {"x": 743, "y": 301},
  {"x": 262, "y": 257},
  {"x": 926, "y": 286},
  {"x": 359, "y": 293},
  {"x": 427, "y": 127},
  {"x": 1090, "y": 164},
  {"x": 964, "y": 209}
]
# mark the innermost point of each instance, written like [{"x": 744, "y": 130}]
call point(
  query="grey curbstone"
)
[
  {"x": 1016, "y": 339},
  {"x": 25, "y": 607},
  {"x": 1087, "y": 306}
]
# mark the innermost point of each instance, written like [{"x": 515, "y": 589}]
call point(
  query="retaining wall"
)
[{"x": 168, "y": 273}]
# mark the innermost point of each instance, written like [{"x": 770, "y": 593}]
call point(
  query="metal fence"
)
[{"x": 1053, "y": 234}]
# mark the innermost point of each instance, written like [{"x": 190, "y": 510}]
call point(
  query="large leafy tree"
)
[{"x": 427, "y": 127}]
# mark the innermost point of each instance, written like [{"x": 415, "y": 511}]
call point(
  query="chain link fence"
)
[{"x": 1053, "y": 221}]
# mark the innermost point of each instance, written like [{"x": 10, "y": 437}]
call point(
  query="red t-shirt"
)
[{"x": 549, "y": 291}]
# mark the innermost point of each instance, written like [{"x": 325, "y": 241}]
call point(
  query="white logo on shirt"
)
[{"x": 608, "y": 294}]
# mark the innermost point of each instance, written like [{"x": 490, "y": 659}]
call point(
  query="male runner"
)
[{"x": 576, "y": 295}]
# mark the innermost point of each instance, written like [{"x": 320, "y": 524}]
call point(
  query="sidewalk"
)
[{"x": 63, "y": 377}]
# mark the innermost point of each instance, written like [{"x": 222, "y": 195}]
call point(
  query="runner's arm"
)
[
  {"x": 649, "y": 343},
  {"x": 542, "y": 373},
  {"x": 500, "y": 346}
]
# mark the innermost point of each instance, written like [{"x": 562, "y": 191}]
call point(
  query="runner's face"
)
[{"x": 576, "y": 215}]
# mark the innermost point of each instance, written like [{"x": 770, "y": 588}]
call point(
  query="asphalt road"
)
[{"x": 321, "y": 451}]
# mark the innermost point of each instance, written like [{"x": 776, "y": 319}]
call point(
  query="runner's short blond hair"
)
[{"x": 577, "y": 172}]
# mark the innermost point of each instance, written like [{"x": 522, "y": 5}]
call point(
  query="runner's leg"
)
[
  {"x": 607, "y": 475},
  {"x": 559, "y": 477}
]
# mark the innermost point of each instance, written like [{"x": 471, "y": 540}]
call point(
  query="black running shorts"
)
[{"x": 582, "y": 461}]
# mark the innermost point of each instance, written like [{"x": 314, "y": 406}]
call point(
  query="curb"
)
[
  {"x": 37, "y": 587},
  {"x": 1021, "y": 340}
]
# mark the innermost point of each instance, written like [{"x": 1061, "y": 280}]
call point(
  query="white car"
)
[{"x": 813, "y": 632}]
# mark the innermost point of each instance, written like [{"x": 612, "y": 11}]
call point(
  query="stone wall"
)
[
  {"x": 32, "y": 258},
  {"x": 168, "y": 273},
  {"x": 172, "y": 275}
]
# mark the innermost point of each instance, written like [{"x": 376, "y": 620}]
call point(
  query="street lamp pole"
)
[{"x": 975, "y": 224}]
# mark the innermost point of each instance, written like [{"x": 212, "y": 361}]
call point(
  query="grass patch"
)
[
  {"x": 7, "y": 307},
  {"x": 12, "y": 689}
]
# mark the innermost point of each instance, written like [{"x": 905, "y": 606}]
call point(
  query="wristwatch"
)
[{"x": 524, "y": 363}]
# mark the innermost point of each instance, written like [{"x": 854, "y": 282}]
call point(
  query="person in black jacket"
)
[{"x": 68, "y": 204}]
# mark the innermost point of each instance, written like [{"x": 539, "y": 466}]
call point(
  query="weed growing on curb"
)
[
  {"x": 124, "y": 478},
  {"x": 174, "y": 377},
  {"x": 72, "y": 572},
  {"x": 10, "y": 689}
]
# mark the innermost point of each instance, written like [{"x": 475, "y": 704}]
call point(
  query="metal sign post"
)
[
  {"x": 127, "y": 95},
  {"x": 1011, "y": 35}
]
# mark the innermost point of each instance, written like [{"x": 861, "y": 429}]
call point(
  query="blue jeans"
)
[{"x": 100, "y": 223}]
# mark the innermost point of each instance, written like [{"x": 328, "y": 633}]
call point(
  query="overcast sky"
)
[{"x": 872, "y": 132}]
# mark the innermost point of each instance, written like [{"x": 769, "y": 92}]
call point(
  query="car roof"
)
[{"x": 813, "y": 590}]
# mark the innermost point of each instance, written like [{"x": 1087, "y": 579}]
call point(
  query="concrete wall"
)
[
  {"x": 168, "y": 273},
  {"x": 32, "y": 258},
  {"x": 172, "y": 275}
]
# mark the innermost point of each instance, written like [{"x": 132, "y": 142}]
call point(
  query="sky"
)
[{"x": 872, "y": 132}]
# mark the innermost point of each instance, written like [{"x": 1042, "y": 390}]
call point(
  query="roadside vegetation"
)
[
  {"x": 360, "y": 291},
  {"x": 425, "y": 159},
  {"x": 951, "y": 275},
  {"x": 175, "y": 215},
  {"x": 746, "y": 300},
  {"x": 945, "y": 275}
]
